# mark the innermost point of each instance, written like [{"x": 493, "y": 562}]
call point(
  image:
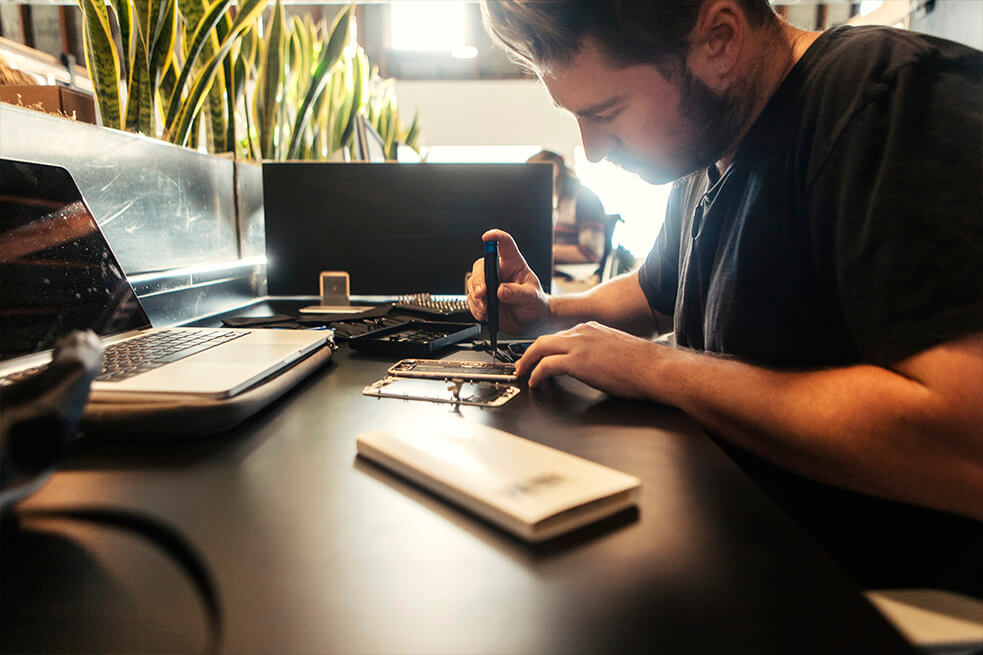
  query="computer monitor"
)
[{"x": 399, "y": 228}]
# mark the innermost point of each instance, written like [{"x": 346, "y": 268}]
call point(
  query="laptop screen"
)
[{"x": 57, "y": 272}]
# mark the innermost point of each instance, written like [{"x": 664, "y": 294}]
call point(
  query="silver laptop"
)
[{"x": 58, "y": 274}]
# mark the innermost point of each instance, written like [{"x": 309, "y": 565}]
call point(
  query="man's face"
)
[{"x": 641, "y": 121}]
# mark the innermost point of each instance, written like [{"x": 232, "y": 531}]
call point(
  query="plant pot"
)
[{"x": 58, "y": 100}]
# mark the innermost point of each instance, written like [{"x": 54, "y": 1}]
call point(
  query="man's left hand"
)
[{"x": 603, "y": 357}]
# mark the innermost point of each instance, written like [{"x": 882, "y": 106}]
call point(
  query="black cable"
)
[{"x": 159, "y": 533}]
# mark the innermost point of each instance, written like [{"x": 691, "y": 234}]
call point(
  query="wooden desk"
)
[{"x": 315, "y": 551}]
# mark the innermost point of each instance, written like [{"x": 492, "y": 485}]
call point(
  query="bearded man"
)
[{"x": 820, "y": 264}]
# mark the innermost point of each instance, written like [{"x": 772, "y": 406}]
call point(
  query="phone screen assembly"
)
[
  {"x": 480, "y": 393},
  {"x": 443, "y": 369}
]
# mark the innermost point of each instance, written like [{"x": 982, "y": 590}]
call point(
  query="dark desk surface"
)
[{"x": 314, "y": 551}]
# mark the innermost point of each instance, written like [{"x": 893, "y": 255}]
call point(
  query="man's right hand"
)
[{"x": 522, "y": 303}]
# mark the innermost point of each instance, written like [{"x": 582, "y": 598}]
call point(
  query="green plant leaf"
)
[
  {"x": 178, "y": 133},
  {"x": 161, "y": 47},
  {"x": 143, "y": 21},
  {"x": 355, "y": 106},
  {"x": 270, "y": 83},
  {"x": 168, "y": 78},
  {"x": 329, "y": 57},
  {"x": 191, "y": 11},
  {"x": 293, "y": 47},
  {"x": 306, "y": 32},
  {"x": 124, "y": 18},
  {"x": 248, "y": 47},
  {"x": 413, "y": 134},
  {"x": 331, "y": 138},
  {"x": 102, "y": 60},
  {"x": 202, "y": 32},
  {"x": 139, "y": 107},
  {"x": 240, "y": 70},
  {"x": 217, "y": 125}
]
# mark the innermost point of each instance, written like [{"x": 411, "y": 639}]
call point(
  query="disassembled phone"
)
[
  {"x": 443, "y": 369},
  {"x": 481, "y": 393}
]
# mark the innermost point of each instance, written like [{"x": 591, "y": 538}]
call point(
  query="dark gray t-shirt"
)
[{"x": 848, "y": 229}]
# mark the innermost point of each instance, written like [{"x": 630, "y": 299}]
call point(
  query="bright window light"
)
[
  {"x": 480, "y": 154},
  {"x": 429, "y": 26},
  {"x": 868, "y": 6},
  {"x": 642, "y": 205}
]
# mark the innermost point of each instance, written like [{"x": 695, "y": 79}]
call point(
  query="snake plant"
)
[
  {"x": 383, "y": 114},
  {"x": 168, "y": 57},
  {"x": 184, "y": 68}
]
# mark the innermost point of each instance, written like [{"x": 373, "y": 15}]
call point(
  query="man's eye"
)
[{"x": 605, "y": 118}]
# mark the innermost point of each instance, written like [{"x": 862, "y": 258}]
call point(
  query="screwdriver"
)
[{"x": 491, "y": 296}]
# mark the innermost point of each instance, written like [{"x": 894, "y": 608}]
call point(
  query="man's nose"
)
[{"x": 597, "y": 143}]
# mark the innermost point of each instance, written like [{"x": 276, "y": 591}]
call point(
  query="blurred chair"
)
[{"x": 615, "y": 260}]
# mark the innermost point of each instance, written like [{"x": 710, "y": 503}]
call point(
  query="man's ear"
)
[{"x": 716, "y": 42}]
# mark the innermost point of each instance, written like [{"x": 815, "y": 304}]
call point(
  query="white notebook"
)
[{"x": 528, "y": 489}]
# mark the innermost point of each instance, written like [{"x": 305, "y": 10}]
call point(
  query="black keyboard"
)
[
  {"x": 440, "y": 306},
  {"x": 359, "y": 326},
  {"x": 126, "y": 359}
]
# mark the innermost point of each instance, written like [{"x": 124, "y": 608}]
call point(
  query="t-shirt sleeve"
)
[
  {"x": 896, "y": 210},
  {"x": 659, "y": 273}
]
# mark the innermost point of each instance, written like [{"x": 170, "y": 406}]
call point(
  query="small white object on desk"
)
[{"x": 531, "y": 490}]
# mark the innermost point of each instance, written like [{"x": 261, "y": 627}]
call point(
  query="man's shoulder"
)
[
  {"x": 872, "y": 59},
  {"x": 855, "y": 83}
]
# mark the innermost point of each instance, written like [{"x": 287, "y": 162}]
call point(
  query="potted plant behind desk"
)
[
  {"x": 312, "y": 82},
  {"x": 171, "y": 60},
  {"x": 186, "y": 70}
]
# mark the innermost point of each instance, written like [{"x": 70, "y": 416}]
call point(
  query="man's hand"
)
[
  {"x": 522, "y": 303},
  {"x": 603, "y": 357}
]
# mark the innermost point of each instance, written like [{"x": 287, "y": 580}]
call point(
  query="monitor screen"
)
[
  {"x": 57, "y": 273},
  {"x": 400, "y": 228}
]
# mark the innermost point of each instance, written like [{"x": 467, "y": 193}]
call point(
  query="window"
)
[
  {"x": 480, "y": 154},
  {"x": 440, "y": 26},
  {"x": 869, "y": 6},
  {"x": 642, "y": 205}
]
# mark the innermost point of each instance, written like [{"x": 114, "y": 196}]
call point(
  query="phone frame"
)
[
  {"x": 454, "y": 370},
  {"x": 440, "y": 393}
]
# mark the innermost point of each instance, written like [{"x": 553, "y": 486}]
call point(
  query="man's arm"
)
[
  {"x": 911, "y": 432},
  {"x": 618, "y": 303}
]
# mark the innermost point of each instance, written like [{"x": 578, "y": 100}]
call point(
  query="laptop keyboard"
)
[
  {"x": 135, "y": 356},
  {"x": 126, "y": 359}
]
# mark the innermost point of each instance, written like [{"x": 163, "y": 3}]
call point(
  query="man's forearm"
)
[
  {"x": 862, "y": 427},
  {"x": 618, "y": 303}
]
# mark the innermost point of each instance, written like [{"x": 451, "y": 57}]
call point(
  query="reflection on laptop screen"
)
[{"x": 57, "y": 273}]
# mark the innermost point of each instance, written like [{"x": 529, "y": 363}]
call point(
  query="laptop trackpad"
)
[{"x": 247, "y": 353}]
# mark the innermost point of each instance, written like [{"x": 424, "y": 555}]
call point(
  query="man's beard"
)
[
  {"x": 711, "y": 125},
  {"x": 713, "y": 122}
]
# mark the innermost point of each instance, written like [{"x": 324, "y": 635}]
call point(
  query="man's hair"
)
[{"x": 540, "y": 34}]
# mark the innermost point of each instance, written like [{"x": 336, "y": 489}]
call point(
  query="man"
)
[
  {"x": 578, "y": 215},
  {"x": 821, "y": 263}
]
